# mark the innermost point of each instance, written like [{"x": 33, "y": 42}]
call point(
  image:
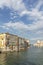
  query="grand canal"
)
[{"x": 32, "y": 56}]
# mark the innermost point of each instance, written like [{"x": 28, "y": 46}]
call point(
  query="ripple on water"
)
[{"x": 34, "y": 56}]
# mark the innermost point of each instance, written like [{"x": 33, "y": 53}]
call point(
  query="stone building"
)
[
  {"x": 10, "y": 42},
  {"x": 39, "y": 43}
]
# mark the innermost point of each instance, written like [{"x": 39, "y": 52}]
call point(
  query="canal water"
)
[{"x": 32, "y": 56}]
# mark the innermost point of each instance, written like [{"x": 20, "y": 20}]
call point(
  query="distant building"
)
[
  {"x": 12, "y": 42},
  {"x": 39, "y": 43}
]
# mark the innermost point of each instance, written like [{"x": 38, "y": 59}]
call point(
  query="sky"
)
[{"x": 23, "y": 18}]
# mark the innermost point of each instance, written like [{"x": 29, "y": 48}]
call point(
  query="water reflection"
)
[
  {"x": 2, "y": 59},
  {"x": 33, "y": 56}
]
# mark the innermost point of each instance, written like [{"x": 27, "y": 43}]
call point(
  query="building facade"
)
[
  {"x": 12, "y": 42},
  {"x": 39, "y": 43}
]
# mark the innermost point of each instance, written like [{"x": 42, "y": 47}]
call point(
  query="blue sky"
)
[{"x": 23, "y": 18}]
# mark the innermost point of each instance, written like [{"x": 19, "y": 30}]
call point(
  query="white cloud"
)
[
  {"x": 19, "y": 6},
  {"x": 35, "y": 14},
  {"x": 34, "y": 29},
  {"x": 4, "y": 27},
  {"x": 39, "y": 32},
  {"x": 37, "y": 38},
  {"x": 5, "y": 3},
  {"x": 16, "y": 5},
  {"x": 36, "y": 25},
  {"x": 16, "y": 25},
  {"x": 39, "y": 4},
  {"x": 22, "y": 26},
  {"x": 13, "y": 15}
]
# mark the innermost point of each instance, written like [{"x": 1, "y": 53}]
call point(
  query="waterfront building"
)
[
  {"x": 12, "y": 42},
  {"x": 39, "y": 43}
]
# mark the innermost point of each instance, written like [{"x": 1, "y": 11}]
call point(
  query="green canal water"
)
[{"x": 32, "y": 56}]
